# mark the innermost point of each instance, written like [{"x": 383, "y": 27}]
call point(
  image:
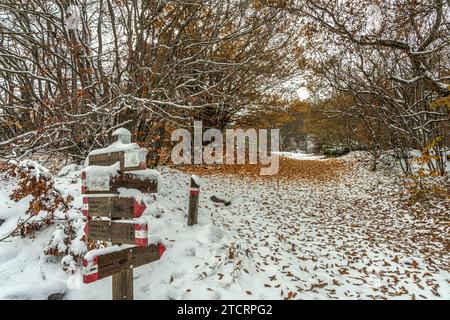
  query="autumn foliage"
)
[
  {"x": 290, "y": 169},
  {"x": 35, "y": 181}
]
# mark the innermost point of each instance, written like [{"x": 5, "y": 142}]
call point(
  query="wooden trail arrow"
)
[
  {"x": 118, "y": 232},
  {"x": 105, "y": 265},
  {"x": 112, "y": 207},
  {"x": 106, "y": 184},
  {"x": 129, "y": 160}
]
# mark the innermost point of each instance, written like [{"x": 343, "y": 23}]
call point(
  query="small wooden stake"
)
[{"x": 193, "y": 202}]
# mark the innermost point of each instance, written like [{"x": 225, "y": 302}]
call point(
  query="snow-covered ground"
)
[
  {"x": 300, "y": 155},
  {"x": 351, "y": 238}
]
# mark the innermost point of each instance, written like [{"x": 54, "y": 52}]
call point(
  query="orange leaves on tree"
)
[{"x": 44, "y": 196}]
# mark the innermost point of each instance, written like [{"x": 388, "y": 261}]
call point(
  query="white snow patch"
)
[
  {"x": 100, "y": 252},
  {"x": 198, "y": 181},
  {"x": 121, "y": 132},
  {"x": 299, "y": 155},
  {"x": 131, "y": 193}
]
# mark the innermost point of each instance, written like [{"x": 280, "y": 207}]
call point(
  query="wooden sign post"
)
[
  {"x": 118, "y": 177},
  {"x": 102, "y": 263}
]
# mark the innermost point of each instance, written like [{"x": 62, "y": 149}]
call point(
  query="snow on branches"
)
[{"x": 35, "y": 181}]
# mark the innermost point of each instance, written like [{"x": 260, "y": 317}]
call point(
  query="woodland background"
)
[
  {"x": 369, "y": 225},
  {"x": 377, "y": 73}
]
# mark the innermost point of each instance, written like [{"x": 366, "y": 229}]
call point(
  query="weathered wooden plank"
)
[
  {"x": 129, "y": 160},
  {"x": 109, "y": 184},
  {"x": 112, "y": 207},
  {"x": 122, "y": 285},
  {"x": 118, "y": 232},
  {"x": 107, "y": 159},
  {"x": 102, "y": 266}
]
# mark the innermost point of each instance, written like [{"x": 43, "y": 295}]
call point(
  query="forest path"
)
[
  {"x": 328, "y": 229},
  {"x": 321, "y": 229}
]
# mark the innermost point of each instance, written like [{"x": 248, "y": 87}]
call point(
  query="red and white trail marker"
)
[
  {"x": 103, "y": 265},
  {"x": 112, "y": 207},
  {"x": 125, "y": 232}
]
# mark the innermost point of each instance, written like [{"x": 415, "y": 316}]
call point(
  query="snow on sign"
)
[
  {"x": 113, "y": 207},
  {"x": 118, "y": 232},
  {"x": 118, "y": 178},
  {"x": 97, "y": 183},
  {"x": 135, "y": 158},
  {"x": 122, "y": 135}
]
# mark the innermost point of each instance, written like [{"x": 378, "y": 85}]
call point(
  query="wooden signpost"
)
[
  {"x": 113, "y": 207},
  {"x": 112, "y": 216},
  {"x": 110, "y": 184},
  {"x": 117, "y": 232},
  {"x": 109, "y": 264}
]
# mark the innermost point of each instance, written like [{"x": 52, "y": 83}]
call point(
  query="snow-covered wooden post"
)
[
  {"x": 123, "y": 135},
  {"x": 122, "y": 282},
  {"x": 194, "y": 191},
  {"x": 118, "y": 177}
]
